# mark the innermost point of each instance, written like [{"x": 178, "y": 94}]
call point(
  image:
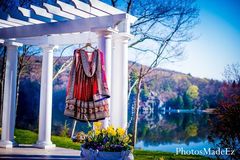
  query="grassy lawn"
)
[
  {"x": 158, "y": 155},
  {"x": 29, "y": 137}
]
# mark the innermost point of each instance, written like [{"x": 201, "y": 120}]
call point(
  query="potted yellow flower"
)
[{"x": 107, "y": 144}]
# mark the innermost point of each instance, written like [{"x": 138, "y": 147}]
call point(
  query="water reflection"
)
[{"x": 165, "y": 130}]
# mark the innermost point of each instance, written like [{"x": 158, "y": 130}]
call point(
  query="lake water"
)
[{"x": 169, "y": 131}]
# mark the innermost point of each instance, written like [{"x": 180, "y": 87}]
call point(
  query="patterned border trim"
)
[{"x": 87, "y": 111}]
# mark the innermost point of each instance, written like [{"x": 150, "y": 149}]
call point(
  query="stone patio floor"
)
[{"x": 31, "y": 152}]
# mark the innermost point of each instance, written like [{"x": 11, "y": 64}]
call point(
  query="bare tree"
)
[
  {"x": 24, "y": 62},
  {"x": 232, "y": 73},
  {"x": 25, "y": 55},
  {"x": 161, "y": 29},
  {"x": 66, "y": 65}
]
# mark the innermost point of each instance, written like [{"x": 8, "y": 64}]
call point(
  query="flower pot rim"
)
[{"x": 106, "y": 151}]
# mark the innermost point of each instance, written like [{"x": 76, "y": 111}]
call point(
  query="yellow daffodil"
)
[
  {"x": 97, "y": 132},
  {"x": 110, "y": 127},
  {"x": 126, "y": 139},
  {"x": 111, "y": 131},
  {"x": 121, "y": 131},
  {"x": 104, "y": 131},
  {"x": 97, "y": 125}
]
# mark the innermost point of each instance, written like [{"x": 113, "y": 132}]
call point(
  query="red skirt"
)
[{"x": 87, "y": 90}]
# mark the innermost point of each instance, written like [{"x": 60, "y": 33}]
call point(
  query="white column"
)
[
  {"x": 105, "y": 45},
  {"x": 120, "y": 81},
  {"x": 9, "y": 101},
  {"x": 124, "y": 45},
  {"x": 45, "y": 110}
]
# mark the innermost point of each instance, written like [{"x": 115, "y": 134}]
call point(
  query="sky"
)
[{"x": 217, "y": 43}]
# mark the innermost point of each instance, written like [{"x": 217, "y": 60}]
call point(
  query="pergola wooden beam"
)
[
  {"x": 79, "y": 25},
  {"x": 10, "y": 18},
  {"x": 104, "y": 7},
  {"x": 57, "y": 11},
  {"x": 43, "y": 12},
  {"x": 60, "y": 39},
  {"x": 30, "y": 14},
  {"x": 86, "y": 8},
  {"x": 74, "y": 11},
  {"x": 9, "y": 23}
]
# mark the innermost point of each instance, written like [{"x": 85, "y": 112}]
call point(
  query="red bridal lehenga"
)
[{"x": 87, "y": 90}]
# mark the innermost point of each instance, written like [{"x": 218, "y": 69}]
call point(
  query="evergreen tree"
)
[
  {"x": 187, "y": 101},
  {"x": 179, "y": 102},
  {"x": 144, "y": 93},
  {"x": 133, "y": 77},
  {"x": 205, "y": 104}
]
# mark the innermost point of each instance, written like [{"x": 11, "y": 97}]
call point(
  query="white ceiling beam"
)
[
  {"x": 78, "y": 38},
  {"x": 109, "y": 9},
  {"x": 13, "y": 18},
  {"x": 71, "y": 26},
  {"x": 39, "y": 40},
  {"x": 90, "y": 10},
  {"x": 57, "y": 11},
  {"x": 17, "y": 14},
  {"x": 43, "y": 12},
  {"x": 72, "y": 38},
  {"x": 9, "y": 23},
  {"x": 34, "y": 21},
  {"x": 8, "y": 42},
  {"x": 4, "y": 25},
  {"x": 105, "y": 7},
  {"x": 27, "y": 13},
  {"x": 72, "y": 10},
  {"x": 30, "y": 14}
]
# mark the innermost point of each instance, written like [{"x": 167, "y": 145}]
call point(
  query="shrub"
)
[{"x": 225, "y": 131}]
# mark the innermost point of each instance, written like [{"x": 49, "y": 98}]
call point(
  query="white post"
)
[
  {"x": 120, "y": 81},
  {"x": 105, "y": 45},
  {"x": 9, "y": 101},
  {"x": 124, "y": 116},
  {"x": 45, "y": 110},
  {"x": 73, "y": 128}
]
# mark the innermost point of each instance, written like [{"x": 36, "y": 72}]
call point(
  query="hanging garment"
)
[{"x": 87, "y": 90}]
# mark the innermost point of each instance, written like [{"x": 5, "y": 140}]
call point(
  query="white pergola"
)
[{"x": 59, "y": 24}]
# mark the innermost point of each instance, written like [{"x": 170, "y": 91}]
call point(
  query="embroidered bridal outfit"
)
[{"x": 87, "y": 90}]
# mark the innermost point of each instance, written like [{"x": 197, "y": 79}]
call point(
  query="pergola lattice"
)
[{"x": 59, "y": 24}]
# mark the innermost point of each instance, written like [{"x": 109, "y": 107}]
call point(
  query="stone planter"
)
[{"x": 90, "y": 154}]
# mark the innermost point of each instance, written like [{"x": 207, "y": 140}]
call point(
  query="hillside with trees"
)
[
  {"x": 178, "y": 90},
  {"x": 161, "y": 88}
]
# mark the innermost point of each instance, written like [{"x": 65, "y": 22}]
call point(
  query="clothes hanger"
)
[{"x": 88, "y": 44}]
